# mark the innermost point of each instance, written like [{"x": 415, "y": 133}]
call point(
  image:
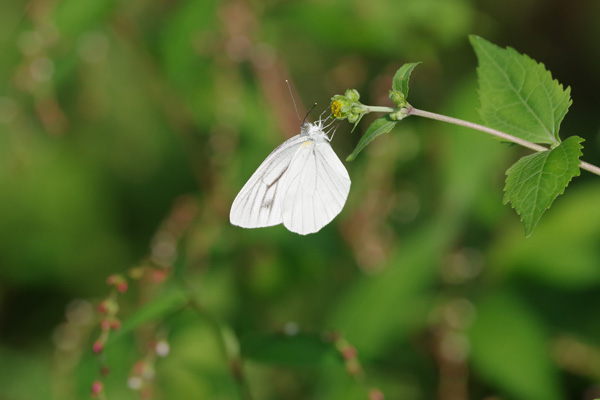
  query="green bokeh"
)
[{"x": 112, "y": 113}]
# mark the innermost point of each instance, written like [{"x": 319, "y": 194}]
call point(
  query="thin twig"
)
[{"x": 505, "y": 136}]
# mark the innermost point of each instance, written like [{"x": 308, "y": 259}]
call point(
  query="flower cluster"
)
[
  {"x": 348, "y": 107},
  {"x": 108, "y": 309}
]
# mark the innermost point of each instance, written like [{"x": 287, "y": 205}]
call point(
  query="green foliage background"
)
[{"x": 110, "y": 112}]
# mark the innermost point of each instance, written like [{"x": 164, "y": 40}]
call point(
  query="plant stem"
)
[
  {"x": 381, "y": 109},
  {"x": 505, "y": 136}
]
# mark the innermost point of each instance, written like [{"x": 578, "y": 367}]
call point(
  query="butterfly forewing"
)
[
  {"x": 259, "y": 202},
  {"x": 314, "y": 189}
]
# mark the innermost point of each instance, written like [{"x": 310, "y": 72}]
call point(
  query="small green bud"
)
[
  {"x": 352, "y": 95},
  {"x": 398, "y": 98},
  {"x": 343, "y": 106},
  {"x": 353, "y": 118},
  {"x": 398, "y": 115}
]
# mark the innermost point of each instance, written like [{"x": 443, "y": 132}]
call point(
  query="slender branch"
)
[
  {"x": 414, "y": 111},
  {"x": 381, "y": 109},
  {"x": 590, "y": 167}
]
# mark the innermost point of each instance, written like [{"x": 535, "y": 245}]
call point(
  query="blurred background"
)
[{"x": 127, "y": 129}]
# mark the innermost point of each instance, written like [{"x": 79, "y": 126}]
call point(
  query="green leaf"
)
[
  {"x": 518, "y": 95},
  {"x": 168, "y": 302},
  {"x": 509, "y": 347},
  {"x": 293, "y": 350},
  {"x": 400, "y": 82},
  {"x": 378, "y": 127},
  {"x": 533, "y": 182}
]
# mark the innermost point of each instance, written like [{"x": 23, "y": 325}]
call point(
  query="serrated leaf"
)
[
  {"x": 378, "y": 127},
  {"x": 533, "y": 182},
  {"x": 294, "y": 350},
  {"x": 400, "y": 82},
  {"x": 518, "y": 95}
]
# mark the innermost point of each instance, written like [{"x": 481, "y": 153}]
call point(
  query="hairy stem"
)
[{"x": 505, "y": 136}]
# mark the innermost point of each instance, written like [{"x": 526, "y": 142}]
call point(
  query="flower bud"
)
[
  {"x": 352, "y": 95},
  {"x": 105, "y": 324},
  {"x": 375, "y": 394},
  {"x": 115, "y": 324},
  {"x": 122, "y": 287},
  {"x": 97, "y": 347},
  {"x": 96, "y": 388},
  {"x": 348, "y": 352},
  {"x": 102, "y": 307},
  {"x": 398, "y": 115},
  {"x": 398, "y": 98}
]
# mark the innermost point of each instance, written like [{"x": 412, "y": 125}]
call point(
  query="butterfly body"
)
[{"x": 301, "y": 184}]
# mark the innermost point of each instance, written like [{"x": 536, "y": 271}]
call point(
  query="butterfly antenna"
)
[
  {"x": 308, "y": 112},
  {"x": 293, "y": 101}
]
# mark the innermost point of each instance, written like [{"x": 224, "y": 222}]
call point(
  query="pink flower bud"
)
[
  {"x": 102, "y": 307},
  {"x": 349, "y": 353},
  {"x": 139, "y": 367},
  {"x": 122, "y": 287},
  {"x": 375, "y": 394},
  {"x": 96, "y": 388},
  {"x": 159, "y": 275},
  {"x": 97, "y": 347},
  {"x": 115, "y": 324}
]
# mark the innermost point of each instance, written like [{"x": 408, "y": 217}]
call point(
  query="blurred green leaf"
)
[
  {"x": 534, "y": 181},
  {"x": 518, "y": 95},
  {"x": 401, "y": 78},
  {"x": 389, "y": 305},
  {"x": 294, "y": 350},
  {"x": 509, "y": 347},
  {"x": 172, "y": 299},
  {"x": 380, "y": 126},
  {"x": 563, "y": 252},
  {"x": 72, "y": 17},
  {"x": 196, "y": 366},
  {"x": 15, "y": 365}
]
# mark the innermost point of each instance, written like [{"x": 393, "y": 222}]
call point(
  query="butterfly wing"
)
[
  {"x": 315, "y": 188},
  {"x": 258, "y": 204}
]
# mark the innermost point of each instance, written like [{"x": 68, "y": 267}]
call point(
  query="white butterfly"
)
[{"x": 302, "y": 184}]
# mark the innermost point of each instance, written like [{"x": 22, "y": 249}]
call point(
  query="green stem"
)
[
  {"x": 381, "y": 109},
  {"x": 505, "y": 136}
]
